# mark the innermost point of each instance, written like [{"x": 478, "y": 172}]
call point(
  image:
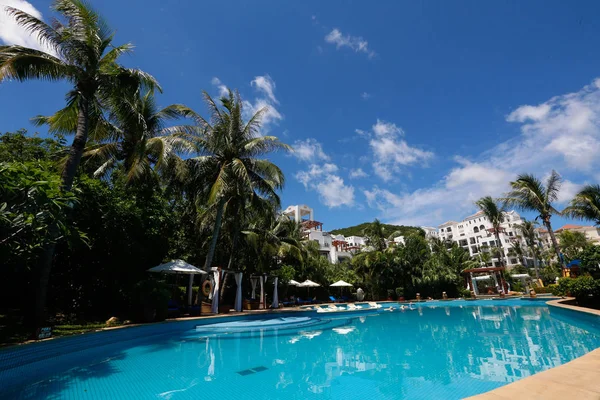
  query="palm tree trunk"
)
[
  {"x": 554, "y": 242},
  {"x": 76, "y": 151},
  {"x": 535, "y": 264},
  {"x": 230, "y": 263},
  {"x": 500, "y": 249},
  {"x": 213, "y": 241},
  {"x": 68, "y": 176}
]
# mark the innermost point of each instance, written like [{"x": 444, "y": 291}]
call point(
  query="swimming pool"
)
[{"x": 446, "y": 350}]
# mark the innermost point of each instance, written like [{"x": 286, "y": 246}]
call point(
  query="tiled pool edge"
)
[{"x": 579, "y": 378}]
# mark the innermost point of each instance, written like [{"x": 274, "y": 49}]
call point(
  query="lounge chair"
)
[
  {"x": 345, "y": 298},
  {"x": 333, "y": 299},
  {"x": 372, "y": 304},
  {"x": 329, "y": 308},
  {"x": 352, "y": 306},
  {"x": 301, "y": 302}
]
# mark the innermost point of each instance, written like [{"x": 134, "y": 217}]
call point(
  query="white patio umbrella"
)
[
  {"x": 180, "y": 267},
  {"x": 341, "y": 284},
  {"x": 293, "y": 283},
  {"x": 308, "y": 284}
]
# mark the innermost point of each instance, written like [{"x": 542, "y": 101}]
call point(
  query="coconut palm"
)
[
  {"x": 80, "y": 51},
  {"x": 140, "y": 139},
  {"x": 531, "y": 194},
  {"x": 585, "y": 204},
  {"x": 527, "y": 230},
  {"x": 229, "y": 164},
  {"x": 495, "y": 214},
  {"x": 376, "y": 235}
]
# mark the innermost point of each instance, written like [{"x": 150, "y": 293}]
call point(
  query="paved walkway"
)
[{"x": 578, "y": 379}]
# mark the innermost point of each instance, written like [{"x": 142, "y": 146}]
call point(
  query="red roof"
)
[{"x": 569, "y": 226}]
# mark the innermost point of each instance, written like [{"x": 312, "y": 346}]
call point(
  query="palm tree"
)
[
  {"x": 80, "y": 52},
  {"x": 229, "y": 160},
  {"x": 585, "y": 204},
  {"x": 376, "y": 235},
  {"x": 530, "y": 194},
  {"x": 141, "y": 140},
  {"x": 495, "y": 214},
  {"x": 527, "y": 229}
]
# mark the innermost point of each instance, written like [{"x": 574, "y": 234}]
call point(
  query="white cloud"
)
[
  {"x": 357, "y": 174},
  {"x": 332, "y": 190},
  {"x": 266, "y": 85},
  {"x": 334, "y": 193},
  {"x": 309, "y": 150},
  {"x": 12, "y": 33},
  {"x": 356, "y": 43},
  {"x": 365, "y": 95},
  {"x": 390, "y": 151},
  {"x": 223, "y": 91},
  {"x": 562, "y": 133}
]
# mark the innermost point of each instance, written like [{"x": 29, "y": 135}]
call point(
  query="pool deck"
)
[{"x": 578, "y": 379}]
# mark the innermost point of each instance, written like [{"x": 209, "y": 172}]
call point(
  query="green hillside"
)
[{"x": 357, "y": 230}]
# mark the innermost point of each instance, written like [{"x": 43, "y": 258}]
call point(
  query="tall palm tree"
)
[
  {"x": 80, "y": 52},
  {"x": 527, "y": 230},
  {"x": 585, "y": 204},
  {"x": 495, "y": 214},
  {"x": 530, "y": 194},
  {"x": 140, "y": 139},
  {"x": 376, "y": 235},
  {"x": 229, "y": 161}
]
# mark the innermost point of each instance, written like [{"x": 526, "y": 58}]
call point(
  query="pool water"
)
[{"x": 443, "y": 350}]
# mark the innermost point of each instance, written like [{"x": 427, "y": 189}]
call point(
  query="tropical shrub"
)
[{"x": 585, "y": 289}]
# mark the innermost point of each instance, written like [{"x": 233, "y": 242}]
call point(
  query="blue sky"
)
[{"x": 403, "y": 111}]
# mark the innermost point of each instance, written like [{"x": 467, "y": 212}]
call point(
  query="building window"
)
[{"x": 476, "y": 230}]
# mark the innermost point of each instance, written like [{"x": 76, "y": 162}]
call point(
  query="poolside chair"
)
[
  {"x": 301, "y": 302},
  {"x": 352, "y": 306},
  {"x": 372, "y": 304},
  {"x": 333, "y": 299}
]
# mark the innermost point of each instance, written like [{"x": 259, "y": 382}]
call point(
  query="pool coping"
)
[{"x": 576, "y": 379}]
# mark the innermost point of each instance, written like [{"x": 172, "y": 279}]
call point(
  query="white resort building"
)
[
  {"x": 335, "y": 247},
  {"x": 476, "y": 234}
]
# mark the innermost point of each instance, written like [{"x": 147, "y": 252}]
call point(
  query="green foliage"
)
[
  {"x": 285, "y": 273},
  {"x": 30, "y": 202},
  {"x": 590, "y": 260},
  {"x": 546, "y": 289},
  {"x": 396, "y": 230},
  {"x": 572, "y": 243},
  {"x": 585, "y": 289},
  {"x": 586, "y": 204}
]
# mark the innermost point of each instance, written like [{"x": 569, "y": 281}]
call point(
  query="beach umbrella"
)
[
  {"x": 341, "y": 284},
  {"x": 293, "y": 283},
  {"x": 180, "y": 267},
  {"x": 308, "y": 284}
]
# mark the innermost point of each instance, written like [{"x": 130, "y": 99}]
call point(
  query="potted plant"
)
[
  {"x": 390, "y": 295},
  {"x": 400, "y": 294}
]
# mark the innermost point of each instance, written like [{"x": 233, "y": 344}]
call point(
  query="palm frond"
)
[{"x": 21, "y": 63}]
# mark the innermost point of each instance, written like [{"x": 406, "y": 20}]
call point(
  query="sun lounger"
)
[
  {"x": 352, "y": 306},
  {"x": 372, "y": 304}
]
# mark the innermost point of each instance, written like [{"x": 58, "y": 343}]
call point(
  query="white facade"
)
[
  {"x": 335, "y": 247},
  {"x": 474, "y": 232}
]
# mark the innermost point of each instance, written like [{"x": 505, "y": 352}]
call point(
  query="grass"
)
[{"x": 12, "y": 330}]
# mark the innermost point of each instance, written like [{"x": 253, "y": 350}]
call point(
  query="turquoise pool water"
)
[{"x": 442, "y": 350}]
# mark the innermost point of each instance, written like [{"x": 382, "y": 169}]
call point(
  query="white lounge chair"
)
[
  {"x": 352, "y": 306},
  {"x": 372, "y": 304}
]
